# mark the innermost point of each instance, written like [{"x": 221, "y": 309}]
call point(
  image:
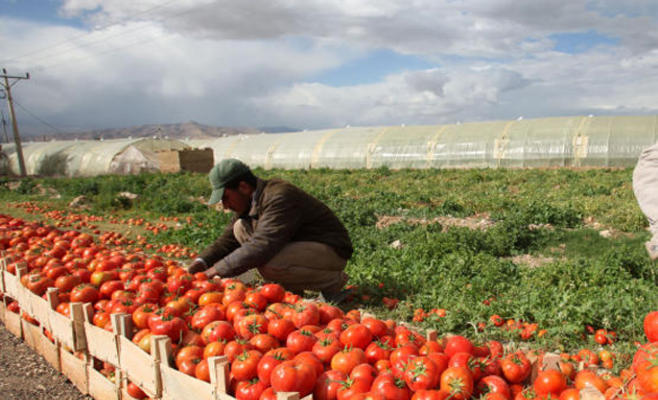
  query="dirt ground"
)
[{"x": 24, "y": 374}]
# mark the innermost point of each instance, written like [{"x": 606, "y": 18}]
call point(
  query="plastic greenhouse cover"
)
[{"x": 586, "y": 141}]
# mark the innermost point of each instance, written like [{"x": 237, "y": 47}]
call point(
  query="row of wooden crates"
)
[{"x": 76, "y": 348}]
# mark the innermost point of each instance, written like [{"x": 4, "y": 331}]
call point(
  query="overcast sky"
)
[{"x": 311, "y": 64}]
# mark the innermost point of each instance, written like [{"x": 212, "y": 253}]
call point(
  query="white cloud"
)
[{"x": 254, "y": 62}]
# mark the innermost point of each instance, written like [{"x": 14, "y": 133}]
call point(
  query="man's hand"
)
[{"x": 197, "y": 265}]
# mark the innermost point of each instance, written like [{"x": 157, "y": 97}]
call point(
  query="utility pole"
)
[
  {"x": 17, "y": 138},
  {"x": 4, "y": 126}
]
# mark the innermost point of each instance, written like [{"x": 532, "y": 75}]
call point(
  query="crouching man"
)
[{"x": 290, "y": 236}]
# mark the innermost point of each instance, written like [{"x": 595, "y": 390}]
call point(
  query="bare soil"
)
[
  {"x": 24, "y": 374},
  {"x": 478, "y": 221}
]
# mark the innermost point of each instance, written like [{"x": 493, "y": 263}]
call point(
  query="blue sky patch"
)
[
  {"x": 44, "y": 11},
  {"x": 580, "y": 42},
  {"x": 372, "y": 68}
]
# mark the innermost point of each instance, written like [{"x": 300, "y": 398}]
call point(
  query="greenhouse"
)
[
  {"x": 91, "y": 157},
  {"x": 584, "y": 141}
]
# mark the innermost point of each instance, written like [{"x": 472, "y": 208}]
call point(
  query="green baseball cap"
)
[{"x": 222, "y": 173}]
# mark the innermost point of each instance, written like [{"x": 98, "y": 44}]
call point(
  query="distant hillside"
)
[{"x": 186, "y": 130}]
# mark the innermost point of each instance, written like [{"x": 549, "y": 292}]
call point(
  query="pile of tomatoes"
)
[{"x": 276, "y": 341}]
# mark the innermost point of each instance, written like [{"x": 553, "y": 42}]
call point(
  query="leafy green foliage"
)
[{"x": 591, "y": 280}]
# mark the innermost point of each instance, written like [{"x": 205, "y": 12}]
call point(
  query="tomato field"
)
[{"x": 502, "y": 266}]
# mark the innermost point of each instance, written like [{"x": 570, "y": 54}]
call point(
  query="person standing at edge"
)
[
  {"x": 645, "y": 187},
  {"x": 290, "y": 236}
]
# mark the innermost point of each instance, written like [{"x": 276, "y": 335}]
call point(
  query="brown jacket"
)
[{"x": 283, "y": 213}]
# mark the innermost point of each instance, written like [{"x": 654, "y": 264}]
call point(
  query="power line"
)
[
  {"x": 30, "y": 113},
  {"x": 100, "y": 53},
  {"x": 73, "y": 38},
  {"x": 105, "y": 39},
  {"x": 68, "y": 60}
]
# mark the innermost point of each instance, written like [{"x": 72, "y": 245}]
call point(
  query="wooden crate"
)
[
  {"x": 75, "y": 369},
  {"x": 135, "y": 364},
  {"x": 101, "y": 388},
  {"x": 3, "y": 267},
  {"x": 69, "y": 331},
  {"x": 3, "y": 310},
  {"x": 101, "y": 344},
  {"x": 12, "y": 285},
  {"x": 13, "y": 323},
  {"x": 35, "y": 338},
  {"x": 177, "y": 385},
  {"x": 36, "y": 307}
]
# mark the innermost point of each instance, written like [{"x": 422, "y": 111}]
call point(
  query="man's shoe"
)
[{"x": 337, "y": 297}]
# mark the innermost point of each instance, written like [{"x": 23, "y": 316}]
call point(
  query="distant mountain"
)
[{"x": 186, "y": 130}]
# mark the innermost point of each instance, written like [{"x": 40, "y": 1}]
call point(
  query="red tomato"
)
[
  {"x": 280, "y": 328},
  {"x": 515, "y": 367},
  {"x": 430, "y": 395},
  {"x": 269, "y": 361},
  {"x": 264, "y": 342},
  {"x": 550, "y": 382},
  {"x": 291, "y": 376},
  {"x": 84, "y": 293},
  {"x": 217, "y": 330},
  {"x": 306, "y": 314},
  {"x": 328, "y": 384},
  {"x": 325, "y": 348},
  {"x": 421, "y": 373},
  {"x": 456, "y": 344},
  {"x": 300, "y": 340},
  {"x": 251, "y": 325},
  {"x": 109, "y": 287},
  {"x": 494, "y": 384},
  {"x": 244, "y": 366},
  {"x": 206, "y": 315},
  {"x": 651, "y": 326},
  {"x": 67, "y": 282},
  {"x": 135, "y": 392},
  {"x": 249, "y": 390},
  {"x": 348, "y": 358},
  {"x": 458, "y": 381},
  {"x": 377, "y": 351},
  {"x": 390, "y": 388},
  {"x": 356, "y": 335}
]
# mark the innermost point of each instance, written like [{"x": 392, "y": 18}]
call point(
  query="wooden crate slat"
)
[
  {"x": 3, "y": 267},
  {"x": 62, "y": 329},
  {"x": 139, "y": 366},
  {"x": 101, "y": 388},
  {"x": 12, "y": 284},
  {"x": 13, "y": 323},
  {"x": 34, "y": 337},
  {"x": 49, "y": 351},
  {"x": 177, "y": 385},
  {"x": 37, "y": 307},
  {"x": 3, "y": 310},
  {"x": 101, "y": 344},
  {"x": 30, "y": 334},
  {"x": 74, "y": 369},
  {"x": 69, "y": 331}
]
